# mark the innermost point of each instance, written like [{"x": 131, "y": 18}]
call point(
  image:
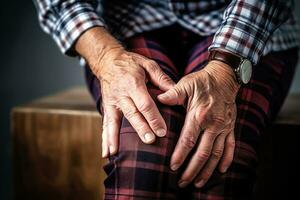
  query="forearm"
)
[{"x": 94, "y": 44}]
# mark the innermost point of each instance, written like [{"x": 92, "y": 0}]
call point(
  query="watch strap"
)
[{"x": 229, "y": 58}]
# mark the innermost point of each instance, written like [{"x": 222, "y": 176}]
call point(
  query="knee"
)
[{"x": 145, "y": 167}]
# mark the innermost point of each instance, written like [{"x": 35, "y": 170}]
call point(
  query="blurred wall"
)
[
  {"x": 31, "y": 66},
  {"x": 296, "y": 84}
]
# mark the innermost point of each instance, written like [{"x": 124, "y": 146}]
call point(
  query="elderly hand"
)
[
  {"x": 209, "y": 96},
  {"x": 123, "y": 80},
  {"x": 123, "y": 76}
]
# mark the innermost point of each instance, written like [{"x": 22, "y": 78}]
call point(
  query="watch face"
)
[{"x": 245, "y": 71}]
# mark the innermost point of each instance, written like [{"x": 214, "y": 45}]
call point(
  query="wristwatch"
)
[{"x": 242, "y": 67}]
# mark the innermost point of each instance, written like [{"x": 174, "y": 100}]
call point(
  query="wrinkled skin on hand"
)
[
  {"x": 123, "y": 77},
  {"x": 209, "y": 97}
]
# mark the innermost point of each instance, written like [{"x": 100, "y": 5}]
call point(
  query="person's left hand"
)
[{"x": 209, "y": 97}]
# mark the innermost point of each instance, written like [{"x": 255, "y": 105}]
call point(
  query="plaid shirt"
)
[{"x": 249, "y": 28}]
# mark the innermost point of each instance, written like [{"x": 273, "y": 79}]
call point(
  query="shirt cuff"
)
[
  {"x": 72, "y": 23},
  {"x": 240, "y": 38}
]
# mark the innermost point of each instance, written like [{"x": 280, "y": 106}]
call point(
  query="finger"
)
[
  {"x": 212, "y": 163},
  {"x": 156, "y": 75},
  {"x": 199, "y": 159},
  {"x": 104, "y": 144},
  {"x": 137, "y": 121},
  {"x": 186, "y": 142},
  {"x": 229, "y": 145},
  {"x": 113, "y": 125},
  {"x": 174, "y": 96},
  {"x": 149, "y": 110},
  {"x": 227, "y": 158}
]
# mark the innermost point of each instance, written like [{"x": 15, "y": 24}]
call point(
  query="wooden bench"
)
[{"x": 57, "y": 154}]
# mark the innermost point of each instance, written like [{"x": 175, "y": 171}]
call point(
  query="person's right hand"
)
[{"x": 123, "y": 76}]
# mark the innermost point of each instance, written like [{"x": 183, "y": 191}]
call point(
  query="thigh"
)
[
  {"x": 258, "y": 103},
  {"x": 141, "y": 171}
]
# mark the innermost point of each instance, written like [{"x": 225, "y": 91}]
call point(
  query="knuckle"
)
[
  {"x": 155, "y": 122},
  {"x": 131, "y": 81},
  {"x": 212, "y": 134},
  {"x": 161, "y": 77},
  {"x": 200, "y": 113},
  {"x": 216, "y": 154},
  {"x": 177, "y": 92},
  {"x": 231, "y": 143},
  {"x": 145, "y": 106},
  {"x": 202, "y": 156},
  {"x": 152, "y": 65},
  {"x": 219, "y": 120},
  {"x": 188, "y": 141},
  {"x": 134, "y": 82},
  {"x": 113, "y": 90},
  {"x": 104, "y": 125},
  {"x": 217, "y": 125},
  {"x": 111, "y": 120},
  {"x": 164, "y": 78},
  {"x": 130, "y": 112}
]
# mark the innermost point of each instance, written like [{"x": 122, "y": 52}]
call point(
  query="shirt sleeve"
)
[
  {"x": 247, "y": 25},
  {"x": 66, "y": 20}
]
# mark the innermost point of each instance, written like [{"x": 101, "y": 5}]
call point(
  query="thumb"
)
[
  {"x": 157, "y": 76},
  {"x": 174, "y": 96}
]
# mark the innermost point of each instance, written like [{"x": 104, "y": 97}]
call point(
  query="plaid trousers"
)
[{"x": 141, "y": 171}]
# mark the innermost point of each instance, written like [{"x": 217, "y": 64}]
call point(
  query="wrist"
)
[
  {"x": 223, "y": 74},
  {"x": 94, "y": 44},
  {"x": 241, "y": 67}
]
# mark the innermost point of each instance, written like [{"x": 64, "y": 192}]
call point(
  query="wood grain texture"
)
[{"x": 57, "y": 152}]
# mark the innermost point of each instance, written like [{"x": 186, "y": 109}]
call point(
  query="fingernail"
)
[
  {"x": 199, "y": 184},
  {"x": 224, "y": 169},
  {"x": 104, "y": 153},
  {"x": 163, "y": 96},
  {"x": 182, "y": 183},
  {"x": 112, "y": 149},
  {"x": 174, "y": 167},
  {"x": 149, "y": 137},
  {"x": 161, "y": 132}
]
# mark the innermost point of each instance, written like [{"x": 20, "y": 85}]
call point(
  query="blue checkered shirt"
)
[{"x": 249, "y": 28}]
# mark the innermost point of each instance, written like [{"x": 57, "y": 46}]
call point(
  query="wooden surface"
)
[
  {"x": 56, "y": 144},
  {"x": 57, "y": 152}
]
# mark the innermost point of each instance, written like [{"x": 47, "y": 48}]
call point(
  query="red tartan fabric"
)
[{"x": 141, "y": 171}]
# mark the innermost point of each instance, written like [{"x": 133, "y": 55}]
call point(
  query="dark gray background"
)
[{"x": 32, "y": 66}]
